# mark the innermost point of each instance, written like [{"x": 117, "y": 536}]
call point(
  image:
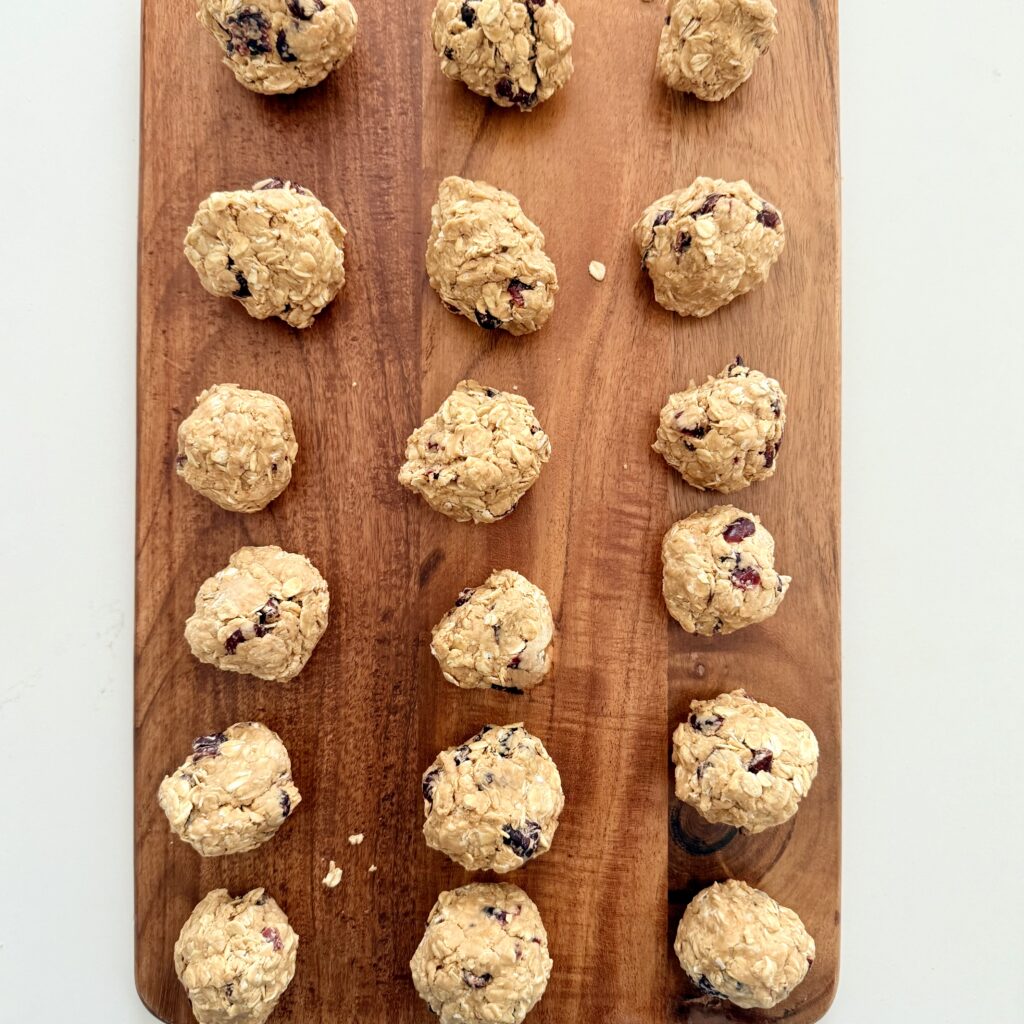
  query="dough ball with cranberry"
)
[
  {"x": 518, "y": 53},
  {"x": 724, "y": 434},
  {"x": 484, "y": 956},
  {"x": 719, "y": 571},
  {"x": 237, "y": 447},
  {"x": 492, "y": 803},
  {"x": 743, "y": 763},
  {"x": 708, "y": 244},
  {"x": 233, "y": 792},
  {"x": 735, "y": 942},
  {"x": 281, "y": 46},
  {"x": 235, "y": 957},
  {"x": 275, "y": 248},
  {"x": 261, "y": 615},
  {"x": 709, "y": 47}
]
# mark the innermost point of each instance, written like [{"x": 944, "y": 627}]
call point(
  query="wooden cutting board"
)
[{"x": 371, "y": 710}]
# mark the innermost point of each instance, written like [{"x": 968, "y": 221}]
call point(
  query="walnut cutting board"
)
[{"x": 371, "y": 709}]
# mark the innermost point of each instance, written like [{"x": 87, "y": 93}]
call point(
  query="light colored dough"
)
[
  {"x": 708, "y": 244},
  {"x": 736, "y": 942},
  {"x": 725, "y": 434},
  {"x": 492, "y": 804},
  {"x": 719, "y": 571},
  {"x": 477, "y": 456},
  {"x": 498, "y": 635},
  {"x": 743, "y": 763},
  {"x": 233, "y": 792},
  {"x": 235, "y": 957},
  {"x": 281, "y": 46},
  {"x": 276, "y": 248},
  {"x": 261, "y": 615},
  {"x": 484, "y": 956},
  {"x": 237, "y": 447},
  {"x": 709, "y": 47},
  {"x": 486, "y": 258},
  {"x": 518, "y": 53}
]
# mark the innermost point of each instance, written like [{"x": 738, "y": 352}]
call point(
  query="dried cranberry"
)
[
  {"x": 516, "y": 289},
  {"x": 522, "y": 841},
  {"x": 273, "y": 936},
  {"x": 708, "y": 989},
  {"x": 695, "y": 432},
  {"x": 683, "y": 242},
  {"x": 515, "y": 662},
  {"x": 429, "y": 783},
  {"x": 465, "y": 596},
  {"x": 761, "y": 761},
  {"x": 706, "y": 724},
  {"x": 242, "y": 291},
  {"x": 776, "y": 407},
  {"x": 739, "y": 529},
  {"x": 488, "y": 321},
  {"x": 468, "y": 15},
  {"x": 476, "y": 980},
  {"x": 462, "y": 753},
  {"x": 207, "y": 746},
  {"x": 181, "y": 460},
  {"x": 502, "y": 916},
  {"x": 768, "y": 217},
  {"x": 709, "y": 204},
  {"x": 298, "y": 8},
  {"x": 736, "y": 363},
  {"x": 745, "y": 579},
  {"x": 449, "y": 53},
  {"x": 283, "y": 49},
  {"x": 505, "y": 88},
  {"x": 769, "y": 455},
  {"x": 286, "y": 804},
  {"x": 270, "y": 612},
  {"x": 232, "y": 642},
  {"x": 248, "y": 32},
  {"x": 663, "y": 218}
]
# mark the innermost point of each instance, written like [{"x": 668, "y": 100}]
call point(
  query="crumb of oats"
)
[
  {"x": 373, "y": 867},
  {"x": 356, "y": 839},
  {"x": 355, "y": 383},
  {"x": 333, "y": 877},
  {"x": 597, "y": 270}
]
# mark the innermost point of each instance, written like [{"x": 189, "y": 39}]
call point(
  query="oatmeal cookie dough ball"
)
[
  {"x": 233, "y": 792},
  {"x": 705, "y": 245},
  {"x": 484, "y": 956},
  {"x": 492, "y": 803},
  {"x": 498, "y": 635},
  {"x": 720, "y": 571},
  {"x": 235, "y": 957},
  {"x": 735, "y": 942},
  {"x": 477, "y": 455},
  {"x": 710, "y": 47},
  {"x": 516, "y": 52},
  {"x": 237, "y": 447},
  {"x": 726, "y": 433},
  {"x": 743, "y": 763},
  {"x": 281, "y": 46},
  {"x": 261, "y": 615},
  {"x": 276, "y": 248},
  {"x": 486, "y": 258}
]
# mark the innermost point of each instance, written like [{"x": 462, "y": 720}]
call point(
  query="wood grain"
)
[{"x": 371, "y": 710}]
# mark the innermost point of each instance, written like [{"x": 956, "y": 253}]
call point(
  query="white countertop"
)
[{"x": 933, "y": 155}]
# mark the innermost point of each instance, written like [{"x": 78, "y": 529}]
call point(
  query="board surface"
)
[{"x": 371, "y": 710}]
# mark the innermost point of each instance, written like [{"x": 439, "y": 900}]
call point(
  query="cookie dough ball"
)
[
  {"x": 262, "y": 615},
  {"x": 235, "y": 957},
  {"x": 237, "y": 447},
  {"x": 233, "y": 792},
  {"x": 516, "y": 52},
  {"x": 735, "y": 942},
  {"x": 706, "y": 245},
  {"x": 725, "y": 434},
  {"x": 276, "y": 248},
  {"x": 498, "y": 635},
  {"x": 486, "y": 258},
  {"x": 710, "y": 47},
  {"x": 477, "y": 455},
  {"x": 720, "y": 571},
  {"x": 743, "y": 763},
  {"x": 492, "y": 803},
  {"x": 281, "y": 46},
  {"x": 484, "y": 956}
]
